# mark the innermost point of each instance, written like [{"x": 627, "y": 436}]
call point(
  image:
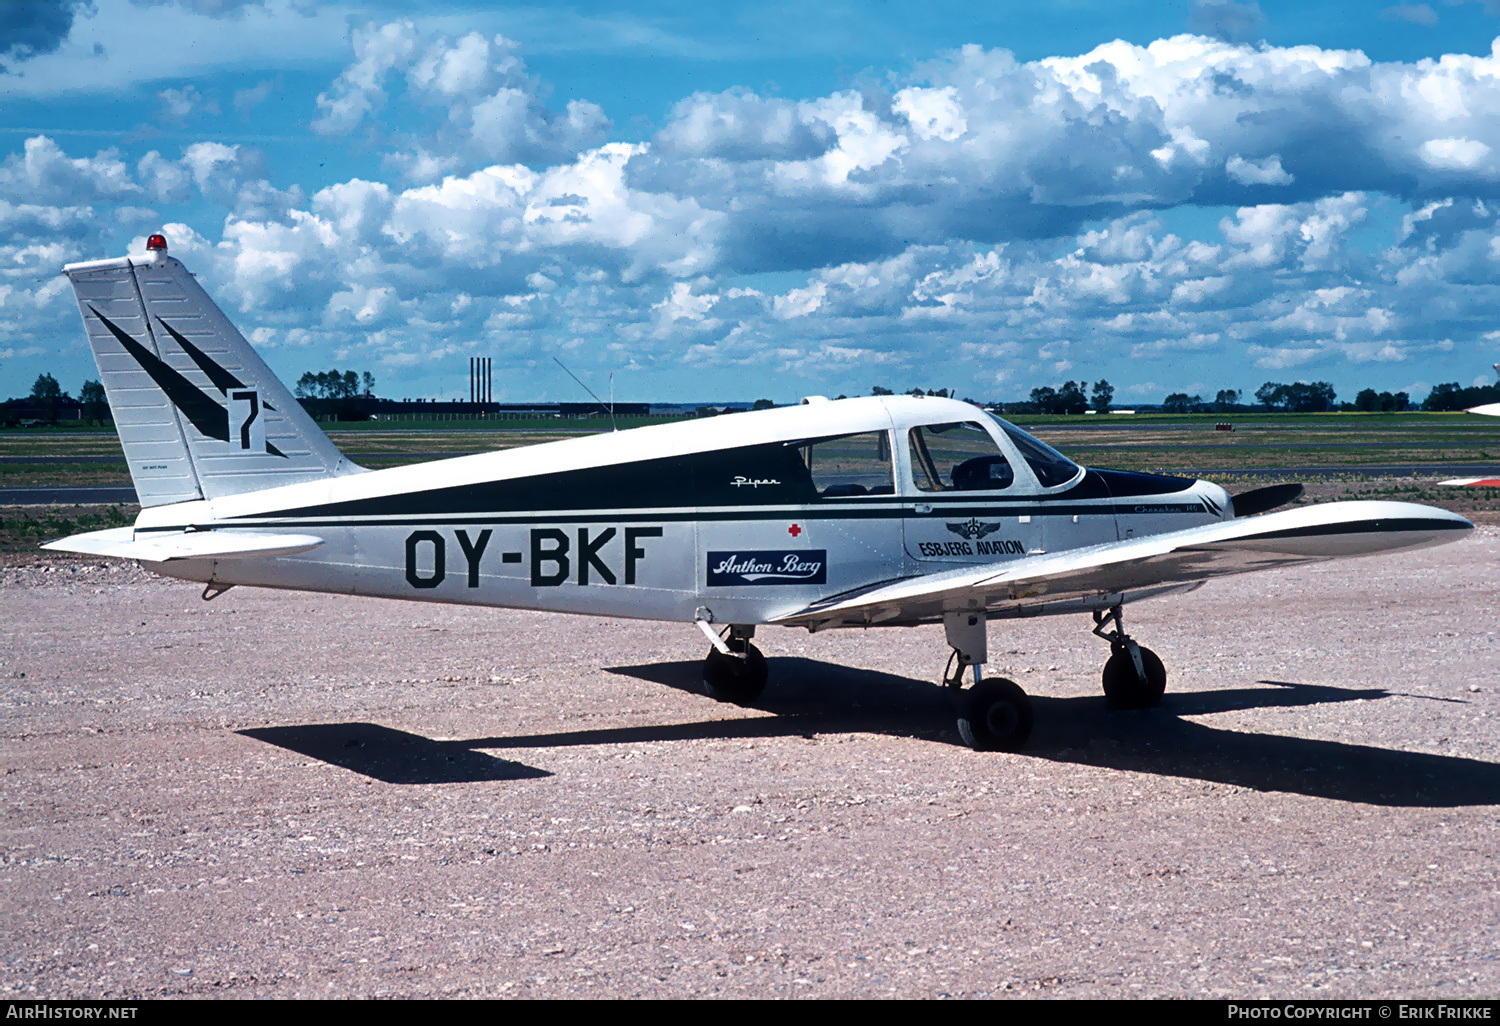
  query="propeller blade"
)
[{"x": 1258, "y": 500}]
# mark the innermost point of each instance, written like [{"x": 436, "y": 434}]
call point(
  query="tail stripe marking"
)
[
  {"x": 202, "y": 410},
  {"x": 221, "y": 378}
]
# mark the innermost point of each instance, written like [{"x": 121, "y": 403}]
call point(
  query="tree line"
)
[
  {"x": 1453, "y": 396},
  {"x": 1293, "y": 397},
  {"x": 335, "y": 384},
  {"x": 47, "y": 401}
]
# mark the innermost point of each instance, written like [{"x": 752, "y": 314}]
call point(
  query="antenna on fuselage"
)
[{"x": 610, "y": 409}]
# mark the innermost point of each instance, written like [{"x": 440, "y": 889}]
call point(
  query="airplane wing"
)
[
  {"x": 1138, "y": 568},
  {"x": 1488, "y": 410},
  {"x": 123, "y": 542}
]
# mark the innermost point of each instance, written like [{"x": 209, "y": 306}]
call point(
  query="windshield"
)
[
  {"x": 957, "y": 457},
  {"x": 1051, "y": 467}
]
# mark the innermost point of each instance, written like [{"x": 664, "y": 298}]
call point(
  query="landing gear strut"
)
[
  {"x": 1134, "y": 677},
  {"x": 735, "y": 672},
  {"x": 994, "y": 715}
]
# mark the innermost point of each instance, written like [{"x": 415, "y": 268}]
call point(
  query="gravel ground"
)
[{"x": 288, "y": 795}]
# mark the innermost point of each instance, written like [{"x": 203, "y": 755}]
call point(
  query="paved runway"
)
[{"x": 66, "y": 496}]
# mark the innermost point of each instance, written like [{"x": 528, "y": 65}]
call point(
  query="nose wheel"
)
[{"x": 1134, "y": 677}]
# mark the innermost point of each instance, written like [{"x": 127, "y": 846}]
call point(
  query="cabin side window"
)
[
  {"x": 957, "y": 457},
  {"x": 850, "y": 465}
]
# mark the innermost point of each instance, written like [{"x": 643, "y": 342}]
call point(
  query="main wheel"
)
[
  {"x": 996, "y": 716},
  {"x": 729, "y": 678},
  {"x": 1124, "y": 687}
]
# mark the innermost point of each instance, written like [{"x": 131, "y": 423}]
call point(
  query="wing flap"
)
[
  {"x": 1152, "y": 564},
  {"x": 123, "y": 542}
]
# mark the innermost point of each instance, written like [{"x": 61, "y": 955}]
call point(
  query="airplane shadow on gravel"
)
[
  {"x": 807, "y": 698},
  {"x": 393, "y": 756},
  {"x": 810, "y": 697}
]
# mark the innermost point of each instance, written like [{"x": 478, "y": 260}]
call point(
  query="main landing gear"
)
[
  {"x": 1134, "y": 678},
  {"x": 734, "y": 671},
  {"x": 994, "y": 715}
]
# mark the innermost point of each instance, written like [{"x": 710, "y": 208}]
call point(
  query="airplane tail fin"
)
[{"x": 199, "y": 414}]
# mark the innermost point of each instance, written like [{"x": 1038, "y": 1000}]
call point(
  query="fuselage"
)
[{"x": 736, "y": 519}]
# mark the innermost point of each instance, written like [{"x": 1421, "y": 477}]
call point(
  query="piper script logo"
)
[
  {"x": 240, "y": 423},
  {"x": 805, "y": 566}
]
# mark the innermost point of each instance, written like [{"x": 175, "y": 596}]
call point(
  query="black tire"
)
[
  {"x": 996, "y": 716},
  {"x": 732, "y": 679},
  {"x": 1123, "y": 686}
]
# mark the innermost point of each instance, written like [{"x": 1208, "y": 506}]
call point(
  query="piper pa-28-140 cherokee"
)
[{"x": 873, "y": 512}]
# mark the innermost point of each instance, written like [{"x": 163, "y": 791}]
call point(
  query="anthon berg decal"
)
[
  {"x": 239, "y": 424},
  {"x": 781, "y": 566}
]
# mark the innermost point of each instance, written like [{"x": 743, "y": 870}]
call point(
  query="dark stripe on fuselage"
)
[{"x": 781, "y": 484}]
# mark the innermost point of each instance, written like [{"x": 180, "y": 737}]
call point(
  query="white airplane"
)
[
  {"x": 871, "y": 512},
  {"x": 1487, "y": 410}
]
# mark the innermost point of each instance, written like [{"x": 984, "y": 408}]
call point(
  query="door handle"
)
[{"x": 921, "y": 507}]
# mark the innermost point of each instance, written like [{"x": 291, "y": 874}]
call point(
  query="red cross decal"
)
[{"x": 794, "y": 530}]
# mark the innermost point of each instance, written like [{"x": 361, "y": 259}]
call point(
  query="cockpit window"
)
[
  {"x": 957, "y": 457},
  {"x": 1051, "y": 467}
]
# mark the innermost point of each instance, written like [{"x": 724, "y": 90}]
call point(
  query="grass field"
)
[
  {"x": 1168, "y": 444},
  {"x": 1328, "y": 452}
]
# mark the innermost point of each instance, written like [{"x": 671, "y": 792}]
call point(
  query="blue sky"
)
[{"x": 772, "y": 200}]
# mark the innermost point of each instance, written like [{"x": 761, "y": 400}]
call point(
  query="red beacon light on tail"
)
[{"x": 156, "y": 244}]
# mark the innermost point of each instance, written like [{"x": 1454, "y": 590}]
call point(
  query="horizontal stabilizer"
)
[
  {"x": 1146, "y": 565},
  {"x": 124, "y": 543}
]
